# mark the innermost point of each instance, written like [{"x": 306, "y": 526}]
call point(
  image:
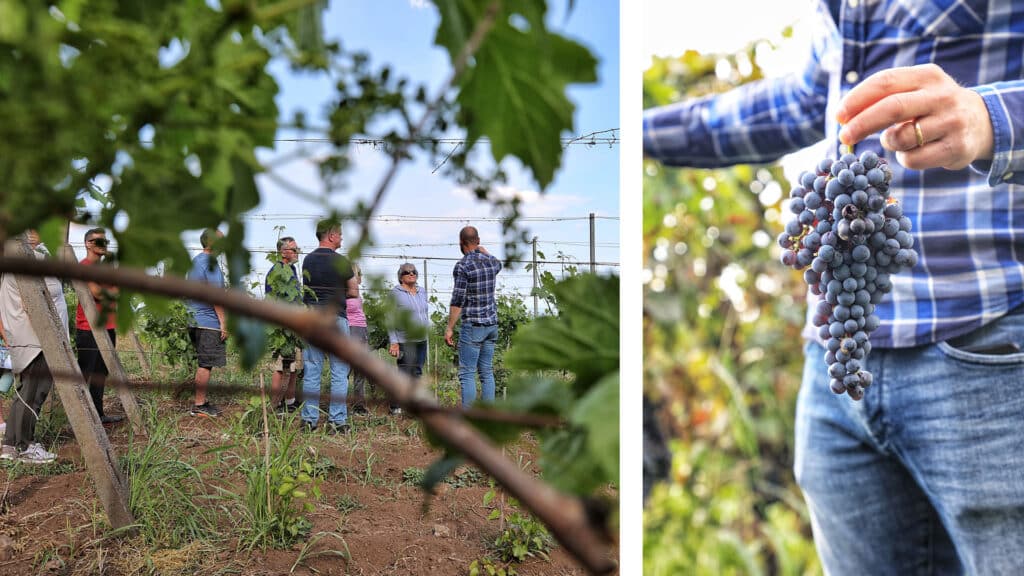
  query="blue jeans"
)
[
  {"x": 925, "y": 475},
  {"x": 476, "y": 354},
  {"x": 313, "y": 358}
]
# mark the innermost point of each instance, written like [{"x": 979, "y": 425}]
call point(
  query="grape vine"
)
[{"x": 849, "y": 237}]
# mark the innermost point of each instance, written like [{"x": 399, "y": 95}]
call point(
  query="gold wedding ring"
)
[{"x": 917, "y": 132}]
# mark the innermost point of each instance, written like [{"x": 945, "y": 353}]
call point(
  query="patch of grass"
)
[
  {"x": 166, "y": 493},
  {"x": 348, "y": 503},
  {"x": 468, "y": 477},
  {"x": 280, "y": 484},
  {"x": 57, "y": 468},
  {"x": 487, "y": 567},
  {"x": 413, "y": 476}
]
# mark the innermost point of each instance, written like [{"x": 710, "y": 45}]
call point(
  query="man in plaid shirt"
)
[
  {"x": 926, "y": 473},
  {"x": 473, "y": 301}
]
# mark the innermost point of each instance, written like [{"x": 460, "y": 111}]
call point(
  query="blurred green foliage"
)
[{"x": 723, "y": 353}]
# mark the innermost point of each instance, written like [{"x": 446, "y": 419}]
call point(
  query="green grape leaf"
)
[
  {"x": 583, "y": 338},
  {"x": 51, "y": 233},
  {"x": 598, "y": 414},
  {"x": 513, "y": 89},
  {"x": 566, "y": 464}
]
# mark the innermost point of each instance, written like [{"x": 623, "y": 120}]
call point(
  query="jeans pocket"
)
[{"x": 998, "y": 343}]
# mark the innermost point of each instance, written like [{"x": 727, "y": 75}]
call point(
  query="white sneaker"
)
[
  {"x": 39, "y": 448},
  {"x": 35, "y": 454},
  {"x": 8, "y": 453}
]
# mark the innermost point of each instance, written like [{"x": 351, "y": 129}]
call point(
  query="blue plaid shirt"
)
[
  {"x": 474, "y": 288},
  {"x": 966, "y": 222}
]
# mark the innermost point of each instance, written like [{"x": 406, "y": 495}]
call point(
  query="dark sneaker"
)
[
  {"x": 280, "y": 409},
  {"x": 335, "y": 428},
  {"x": 110, "y": 420},
  {"x": 206, "y": 409},
  {"x": 291, "y": 407},
  {"x": 360, "y": 410},
  {"x": 308, "y": 426}
]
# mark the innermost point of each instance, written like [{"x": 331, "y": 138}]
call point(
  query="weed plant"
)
[
  {"x": 279, "y": 488},
  {"x": 166, "y": 493}
]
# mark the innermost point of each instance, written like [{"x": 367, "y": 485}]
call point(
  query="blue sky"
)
[{"x": 400, "y": 33}]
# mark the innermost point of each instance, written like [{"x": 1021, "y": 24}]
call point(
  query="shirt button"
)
[
  {"x": 1008, "y": 176},
  {"x": 852, "y": 77}
]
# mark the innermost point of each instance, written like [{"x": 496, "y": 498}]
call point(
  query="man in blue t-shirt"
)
[
  {"x": 208, "y": 330},
  {"x": 330, "y": 280}
]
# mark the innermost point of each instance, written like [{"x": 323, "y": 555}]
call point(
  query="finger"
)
[
  {"x": 903, "y": 137},
  {"x": 882, "y": 84},
  {"x": 933, "y": 154},
  {"x": 893, "y": 109}
]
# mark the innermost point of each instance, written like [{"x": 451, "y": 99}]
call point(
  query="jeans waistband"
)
[{"x": 481, "y": 324}]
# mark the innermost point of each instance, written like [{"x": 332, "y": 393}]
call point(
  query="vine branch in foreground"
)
[{"x": 565, "y": 516}]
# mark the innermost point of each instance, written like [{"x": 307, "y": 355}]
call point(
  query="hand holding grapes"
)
[{"x": 929, "y": 120}]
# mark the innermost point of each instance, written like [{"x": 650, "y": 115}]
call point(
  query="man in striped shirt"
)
[
  {"x": 925, "y": 471},
  {"x": 473, "y": 301}
]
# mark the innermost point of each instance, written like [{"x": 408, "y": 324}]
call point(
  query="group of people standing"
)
[{"x": 329, "y": 282}]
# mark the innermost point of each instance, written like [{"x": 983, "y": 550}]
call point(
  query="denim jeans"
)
[
  {"x": 313, "y": 358},
  {"x": 925, "y": 475},
  {"x": 476, "y": 354},
  {"x": 411, "y": 357}
]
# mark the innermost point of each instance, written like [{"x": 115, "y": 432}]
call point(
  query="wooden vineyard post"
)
[
  {"x": 118, "y": 377},
  {"x": 100, "y": 459}
]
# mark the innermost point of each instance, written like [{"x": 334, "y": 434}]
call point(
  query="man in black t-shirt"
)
[{"x": 329, "y": 276}]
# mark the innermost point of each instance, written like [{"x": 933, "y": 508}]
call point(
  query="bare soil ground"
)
[{"x": 51, "y": 521}]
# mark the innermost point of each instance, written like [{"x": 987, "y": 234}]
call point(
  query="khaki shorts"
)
[{"x": 282, "y": 364}]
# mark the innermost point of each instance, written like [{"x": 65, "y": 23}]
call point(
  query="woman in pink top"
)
[{"x": 357, "y": 330}]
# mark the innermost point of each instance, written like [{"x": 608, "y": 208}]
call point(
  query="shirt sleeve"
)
[
  {"x": 1005, "y": 103},
  {"x": 390, "y": 320},
  {"x": 461, "y": 284},
  {"x": 754, "y": 123}
]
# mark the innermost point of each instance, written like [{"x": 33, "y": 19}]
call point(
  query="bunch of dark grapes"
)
[{"x": 849, "y": 236}]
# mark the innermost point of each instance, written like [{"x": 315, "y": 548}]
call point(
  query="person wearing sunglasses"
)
[
  {"x": 473, "y": 302},
  {"x": 409, "y": 325},
  {"x": 282, "y": 283},
  {"x": 90, "y": 361}
]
